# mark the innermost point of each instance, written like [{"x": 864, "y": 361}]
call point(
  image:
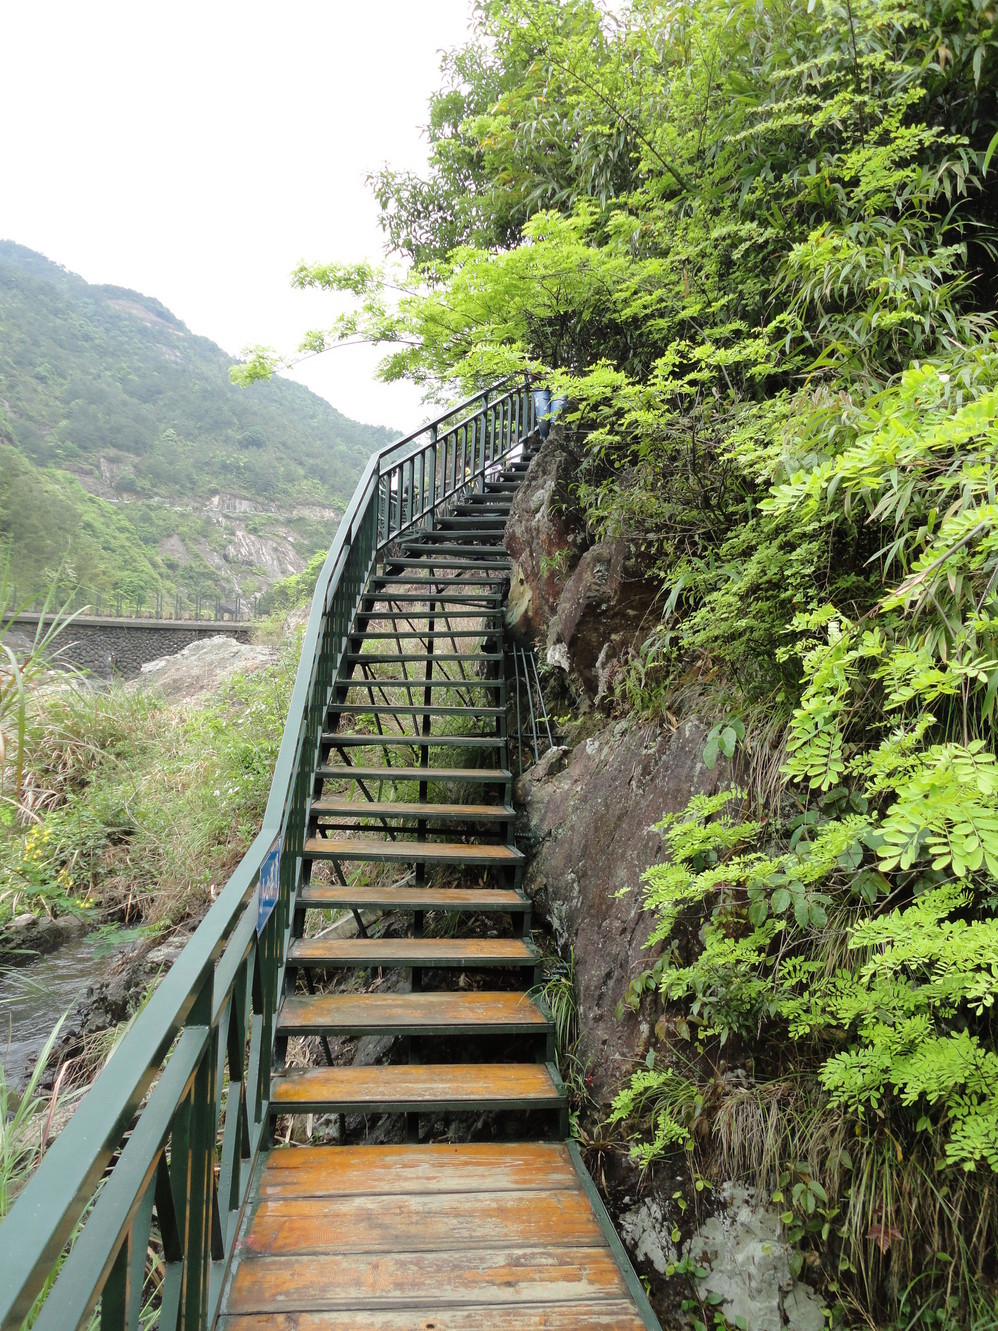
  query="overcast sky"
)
[{"x": 196, "y": 151}]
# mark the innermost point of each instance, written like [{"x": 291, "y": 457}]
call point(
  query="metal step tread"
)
[
  {"x": 424, "y": 953},
  {"x": 404, "y": 1087},
  {"x": 437, "y": 1013},
  {"x": 424, "y": 852}
]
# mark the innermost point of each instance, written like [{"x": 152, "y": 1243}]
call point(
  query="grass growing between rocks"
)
[{"x": 135, "y": 811}]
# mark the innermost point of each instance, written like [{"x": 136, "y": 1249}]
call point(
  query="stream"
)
[{"x": 34, "y": 997}]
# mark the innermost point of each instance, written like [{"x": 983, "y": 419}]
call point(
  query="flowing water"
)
[{"x": 34, "y": 997}]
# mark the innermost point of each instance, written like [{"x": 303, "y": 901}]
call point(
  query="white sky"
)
[{"x": 197, "y": 150}]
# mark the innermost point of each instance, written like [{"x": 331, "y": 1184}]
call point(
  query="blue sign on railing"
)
[{"x": 270, "y": 885}]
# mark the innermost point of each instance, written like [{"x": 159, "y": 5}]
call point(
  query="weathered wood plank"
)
[
  {"x": 431, "y": 1223},
  {"x": 329, "y": 807},
  {"x": 416, "y": 1087},
  {"x": 430, "y": 1280},
  {"x": 431, "y": 852},
  {"x": 344, "y": 1171},
  {"x": 504, "y": 900},
  {"x": 606, "y": 1315},
  {"x": 426, "y": 952},
  {"x": 426, "y": 1013}
]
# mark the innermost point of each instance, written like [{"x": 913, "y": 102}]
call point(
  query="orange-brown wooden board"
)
[
  {"x": 425, "y": 1279},
  {"x": 369, "y": 848},
  {"x": 412, "y": 951},
  {"x": 321, "y": 895},
  {"x": 420, "y": 1085},
  {"x": 606, "y": 1315},
  {"x": 434, "y": 1222},
  {"x": 422, "y": 1011},
  {"x": 344, "y": 1171},
  {"x": 408, "y": 809}
]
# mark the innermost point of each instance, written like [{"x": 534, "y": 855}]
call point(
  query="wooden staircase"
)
[{"x": 410, "y": 832}]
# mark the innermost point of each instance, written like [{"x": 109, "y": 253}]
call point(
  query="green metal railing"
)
[{"x": 166, "y": 1143}]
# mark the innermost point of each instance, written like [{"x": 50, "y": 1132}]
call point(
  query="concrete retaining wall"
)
[{"x": 109, "y": 647}]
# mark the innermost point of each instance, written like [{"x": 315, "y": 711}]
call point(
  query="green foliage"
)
[{"x": 140, "y": 811}]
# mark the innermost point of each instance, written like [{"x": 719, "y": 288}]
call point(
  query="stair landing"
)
[{"x": 482, "y": 1237}]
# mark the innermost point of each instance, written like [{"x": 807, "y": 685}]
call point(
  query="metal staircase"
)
[{"x": 421, "y": 852}]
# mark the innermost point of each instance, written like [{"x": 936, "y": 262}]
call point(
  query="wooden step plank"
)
[
  {"x": 394, "y": 658},
  {"x": 472, "y": 1167},
  {"x": 410, "y": 709},
  {"x": 328, "y": 807},
  {"x": 426, "y": 953},
  {"x": 480, "y": 900},
  {"x": 407, "y": 616},
  {"x": 426, "y": 852},
  {"x": 441, "y": 1222},
  {"x": 360, "y": 682},
  {"x": 415, "y": 1087},
  {"x": 480, "y": 1012},
  {"x": 414, "y": 741},
  {"x": 423, "y": 635},
  {"x": 506, "y": 1277},
  {"x": 605, "y": 1315},
  {"x": 477, "y": 775},
  {"x": 452, "y": 563},
  {"x": 452, "y": 547}
]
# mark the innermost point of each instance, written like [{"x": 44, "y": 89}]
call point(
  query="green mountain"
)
[{"x": 130, "y": 464}]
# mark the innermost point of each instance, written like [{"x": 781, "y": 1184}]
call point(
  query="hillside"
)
[{"x": 134, "y": 464}]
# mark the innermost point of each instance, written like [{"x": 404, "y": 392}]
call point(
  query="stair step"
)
[
  {"x": 456, "y": 548},
  {"x": 413, "y": 741},
  {"x": 372, "y": 849},
  {"x": 319, "y": 896},
  {"x": 394, "y": 658},
  {"x": 471, "y": 565},
  {"x": 412, "y": 1088},
  {"x": 478, "y": 775},
  {"x": 329, "y": 807},
  {"x": 431, "y": 580},
  {"x": 424, "y": 635},
  {"x": 481, "y": 1013},
  {"x": 423, "y": 953},
  {"x": 429, "y": 598},
  {"x": 358, "y": 682},
  {"x": 418, "y": 612},
  {"x": 410, "y": 709}
]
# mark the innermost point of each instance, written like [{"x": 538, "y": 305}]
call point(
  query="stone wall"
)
[{"x": 109, "y": 647}]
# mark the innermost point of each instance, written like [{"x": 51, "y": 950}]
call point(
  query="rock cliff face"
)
[
  {"x": 582, "y": 604},
  {"x": 588, "y": 821}
]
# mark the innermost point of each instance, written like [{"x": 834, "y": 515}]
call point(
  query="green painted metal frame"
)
[{"x": 169, "y": 1136}]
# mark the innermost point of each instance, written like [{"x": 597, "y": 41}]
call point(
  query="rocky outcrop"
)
[
  {"x": 201, "y": 667},
  {"x": 588, "y": 820},
  {"x": 545, "y": 535},
  {"x": 584, "y": 606},
  {"x": 601, "y": 613}
]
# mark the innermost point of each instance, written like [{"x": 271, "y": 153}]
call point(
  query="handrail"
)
[{"x": 168, "y": 1137}]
